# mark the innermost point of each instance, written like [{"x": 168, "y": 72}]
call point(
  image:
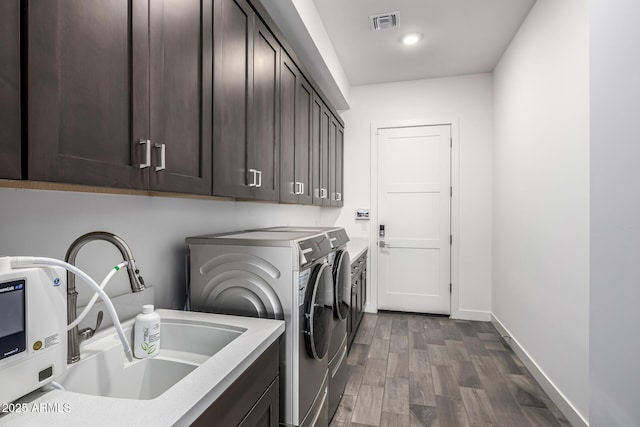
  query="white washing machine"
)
[{"x": 284, "y": 275}]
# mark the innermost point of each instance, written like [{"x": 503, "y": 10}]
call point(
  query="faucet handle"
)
[
  {"x": 99, "y": 320},
  {"x": 87, "y": 333}
]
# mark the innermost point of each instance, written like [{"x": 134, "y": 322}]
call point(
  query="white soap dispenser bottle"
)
[{"x": 146, "y": 333}]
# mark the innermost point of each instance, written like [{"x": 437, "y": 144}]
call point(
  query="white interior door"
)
[{"x": 414, "y": 205}]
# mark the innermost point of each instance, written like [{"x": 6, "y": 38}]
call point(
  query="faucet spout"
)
[{"x": 135, "y": 280}]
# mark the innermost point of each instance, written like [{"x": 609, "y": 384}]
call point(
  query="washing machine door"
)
[
  {"x": 342, "y": 284},
  {"x": 318, "y": 309}
]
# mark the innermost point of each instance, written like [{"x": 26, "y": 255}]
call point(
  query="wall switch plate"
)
[{"x": 362, "y": 214}]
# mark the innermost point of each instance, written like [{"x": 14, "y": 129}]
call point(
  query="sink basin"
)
[
  {"x": 104, "y": 371},
  {"x": 201, "y": 355},
  {"x": 110, "y": 376}
]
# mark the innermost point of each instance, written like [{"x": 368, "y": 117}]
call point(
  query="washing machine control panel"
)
[
  {"x": 338, "y": 237},
  {"x": 314, "y": 248}
]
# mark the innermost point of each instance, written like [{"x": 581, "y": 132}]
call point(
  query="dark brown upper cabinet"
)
[
  {"x": 10, "y": 142},
  {"x": 264, "y": 157},
  {"x": 181, "y": 55},
  {"x": 333, "y": 130},
  {"x": 327, "y": 144},
  {"x": 296, "y": 97},
  {"x": 336, "y": 156},
  {"x": 119, "y": 93},
  {"x": 232, "y": 88},
  {"x": 246, "y": 112},
  {"x": 304, "y": 153},
  {"x": 316, "y": 152},
  {"x": 196, "y": 96},
  {"x": 320, "y": 131},
  {"x": 326, "y": 139}
]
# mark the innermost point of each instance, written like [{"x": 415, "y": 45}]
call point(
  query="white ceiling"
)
[{"x": 459, "y": 37}]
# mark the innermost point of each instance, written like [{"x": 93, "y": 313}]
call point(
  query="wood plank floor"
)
[{"x": 414, "y": 370}]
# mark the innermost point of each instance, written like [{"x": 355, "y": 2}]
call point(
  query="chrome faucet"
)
[{"x": 76, "y": 336}]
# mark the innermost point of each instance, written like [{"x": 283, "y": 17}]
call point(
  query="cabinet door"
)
[
  {"x": 266, "y": 411},
  {"x": 350, "y": 315},
  {"x": 354, "y": 312},
  {"x": 316, "y": 149},
  {"x": 252, "y": 398},
  {"x": 333, "y": 130},
  {"x": 338, "y": 173},
  {"x": 303, "y": 141},
  {"x": 296, "y": 98},
  {"x": 233, "y": 94},
  {"x": 181, "y": 95},
  {"x": 10, "y": 154},
  {"x": 88, "y": 99},
  {"x": 264, "y": 154},
  {"x": 325, "y": 143},
  {"x": 363, "y": 284},
  {"x": 289, "y": 77}
]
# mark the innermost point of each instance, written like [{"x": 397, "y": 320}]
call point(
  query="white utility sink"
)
[
  {"x": 104, "y": 371},
  {"x": 142, "y": 379},
  {"x": 200, "y": 356}
]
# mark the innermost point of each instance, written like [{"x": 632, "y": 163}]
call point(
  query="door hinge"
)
[
  {"x": 451, "y": 191},
  {"x": 451, "y": 239},
  {"x": 450, "y": 288},
  {"x": 451, "y": 141}
]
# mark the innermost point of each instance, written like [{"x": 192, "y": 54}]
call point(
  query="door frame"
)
[{"x": 372, "y": 293}]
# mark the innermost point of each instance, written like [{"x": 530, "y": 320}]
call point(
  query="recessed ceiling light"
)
[{"x": 411, "y": 38}]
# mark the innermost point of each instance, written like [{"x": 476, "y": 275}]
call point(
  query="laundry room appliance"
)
[
  {"x": 341, "y": 268},
  {"x": 283, "y": 275},
  {"x": 33, "y": 328},
  {"x": 340, "y": 263}
]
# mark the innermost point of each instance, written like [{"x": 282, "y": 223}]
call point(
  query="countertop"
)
[
  {"x": 180, "y": 405},
  {"x": 356, "y": 247}
]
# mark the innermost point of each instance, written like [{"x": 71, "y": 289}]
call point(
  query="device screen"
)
[{"x": 12, "y": 318}]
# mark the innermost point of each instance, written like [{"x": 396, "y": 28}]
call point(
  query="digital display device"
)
[
  {"x": 12, "y": 318},
  {"x": 33, "y": 328}
]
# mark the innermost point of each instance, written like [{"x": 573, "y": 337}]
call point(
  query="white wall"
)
[
  {"x": 466, "y": 99},
  {"x": 541, "y": 194},
  {"x": 301, "y": 25},
  {"x": 615, "y": 212},
  {"x": 44, "y": 223}
]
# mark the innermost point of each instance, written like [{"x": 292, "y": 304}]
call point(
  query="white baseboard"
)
[
  {"x": 477, "y": 315},
  {"x": 567, "y": 409},
  {"x": 368, "y": 308}
]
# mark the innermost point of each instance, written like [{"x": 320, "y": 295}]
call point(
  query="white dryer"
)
[{"x": 275, "y": 275}]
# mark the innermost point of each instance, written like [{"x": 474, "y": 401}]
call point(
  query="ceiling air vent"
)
[{"x": 384, "y": 21}]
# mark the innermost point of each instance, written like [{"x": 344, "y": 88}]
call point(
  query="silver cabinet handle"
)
[
  {"x": 147, "y": 158},
  {"x": 254, "y": 183},
  {"x": 338, "y": 197},
  {"x": 299, "y": 188},
  {"x": 163, "y": 158},
  {"x": 323, "y": 193},
  {"x": 259, "y": 179}
]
